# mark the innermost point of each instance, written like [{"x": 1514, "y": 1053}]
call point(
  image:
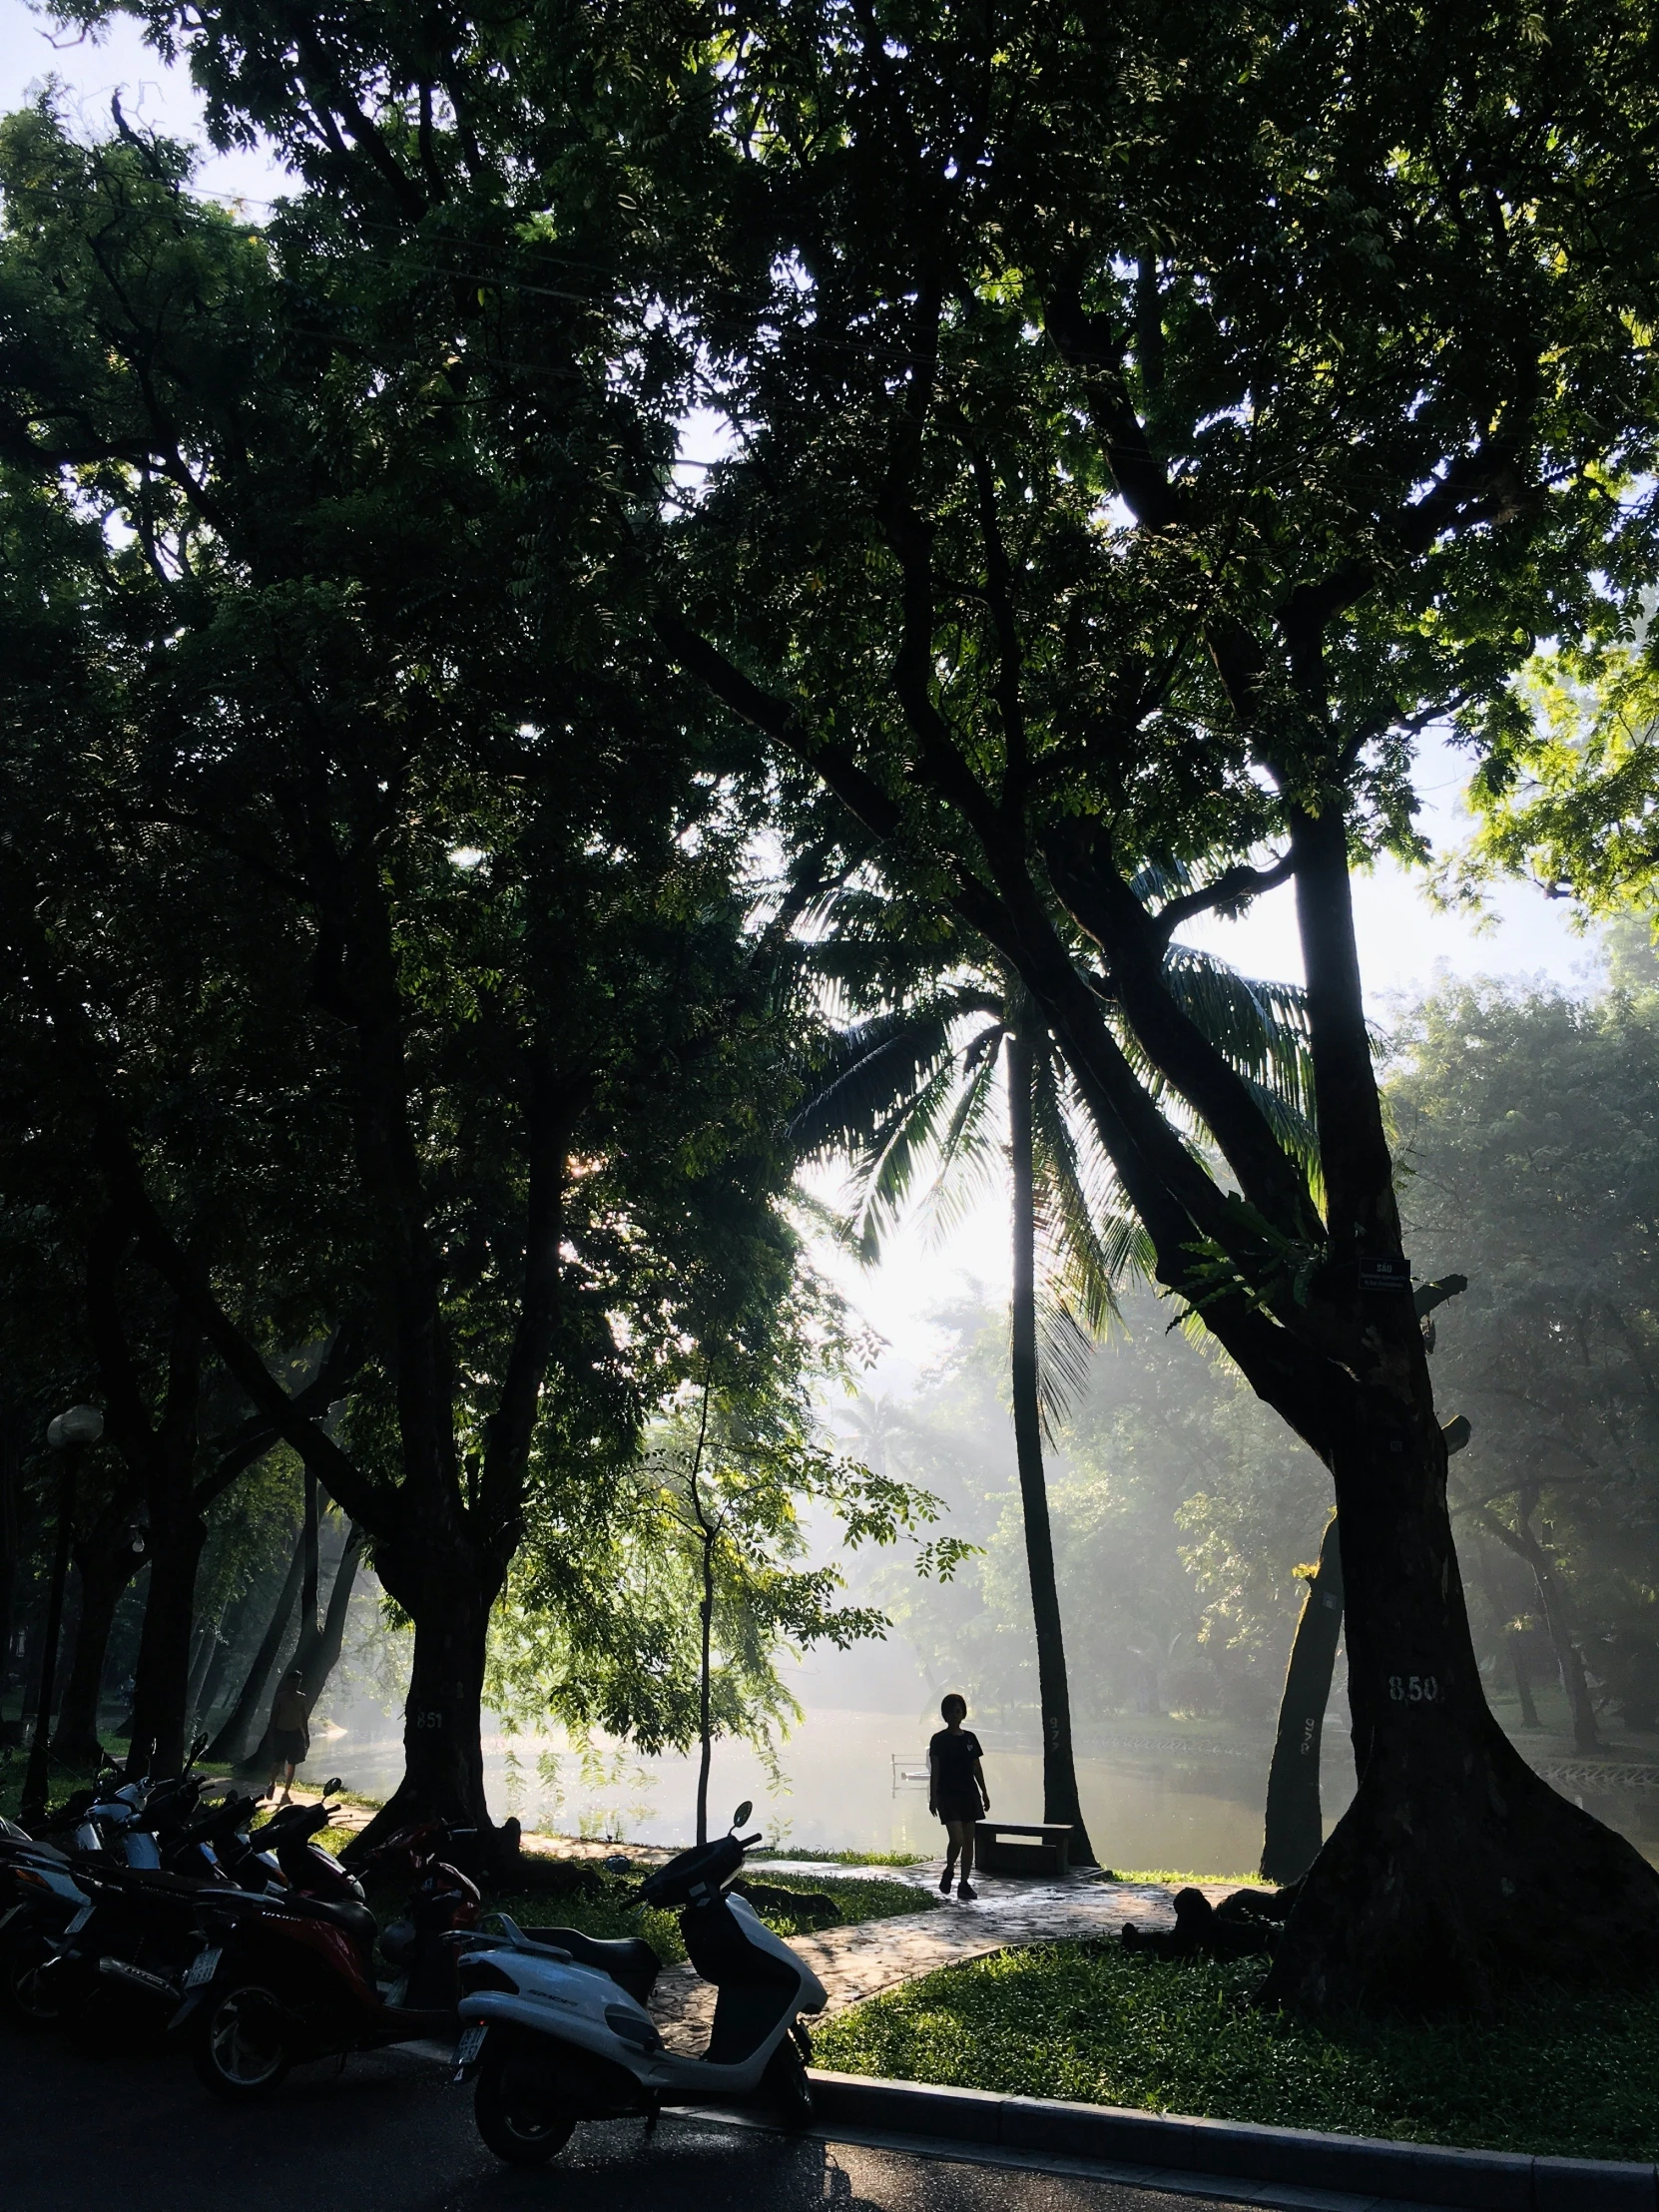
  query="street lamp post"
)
[{"x": 69, "y": 1434}]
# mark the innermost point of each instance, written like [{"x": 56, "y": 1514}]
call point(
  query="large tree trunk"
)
[
  {"x": 1456, "y": 1869},
  {"x": 161, "y": 1692},
  {"x": 231, "y": 1742},
  {"x": 318, "y": 1650},
  {"x": 1061, "y": 1801},
  {"x": 105, "y": 1568},
  {"x": 1294, "y": 1825},
  {"x": 443, "y": 1760},
  {"x": 1521, "y": 1668},
  {"x": 10, "y": 1534}
]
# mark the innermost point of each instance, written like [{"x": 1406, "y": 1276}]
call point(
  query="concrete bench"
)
[{"x": 1008, "y": 1847}]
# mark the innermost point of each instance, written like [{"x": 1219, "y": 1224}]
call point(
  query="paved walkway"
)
[{"x": 867, "y": 1956}]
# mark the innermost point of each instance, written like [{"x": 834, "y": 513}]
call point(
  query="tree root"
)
[{"x": 1439, "y": 1892}]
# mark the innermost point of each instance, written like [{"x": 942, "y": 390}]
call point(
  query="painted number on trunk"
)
[
  {"x": 1413, "y": 1689},
  {"x": 428, "y": 1720}
]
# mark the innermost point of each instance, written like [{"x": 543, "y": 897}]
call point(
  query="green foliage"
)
[
  {"x": 602, "y": 1907},
  {"x": 1560, "y": 2073},
  {"x": 602, "y": 1628},
  {"x": 1178, "y": 1518},
  {"x": 408, "y": 934},
  {"x": 1525, "y": 1122},
  {"x": 1566, "y": 791}
]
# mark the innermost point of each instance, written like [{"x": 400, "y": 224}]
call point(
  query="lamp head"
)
[{"x": 81, "y": 1425}]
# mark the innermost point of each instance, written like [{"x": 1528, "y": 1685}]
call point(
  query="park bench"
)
[{"x": 1008, "y": 1847}]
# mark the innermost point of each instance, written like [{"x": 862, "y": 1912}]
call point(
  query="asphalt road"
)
[{"x": 390, "y": 2136}]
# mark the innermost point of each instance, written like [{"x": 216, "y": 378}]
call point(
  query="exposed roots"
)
[{"x": 1440, "y": 1891}]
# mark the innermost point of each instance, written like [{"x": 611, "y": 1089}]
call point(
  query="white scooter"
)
[{"x": 555, "y": 2027}]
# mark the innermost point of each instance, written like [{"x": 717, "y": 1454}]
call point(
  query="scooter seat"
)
[
  {"x": 629, "y": 1960},
  {"x": 357, "y": 1919}
]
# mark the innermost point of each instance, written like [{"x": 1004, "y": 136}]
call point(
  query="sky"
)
[
  {"x": 90, "y": 70},
  {"x": 1406, "y": 943}
]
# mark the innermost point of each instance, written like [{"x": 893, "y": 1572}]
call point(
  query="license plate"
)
[
  {"x": 79, "y": 1922},
  {"x": 203, "y": 1968},
  {"x": 471, "y": 2042}
]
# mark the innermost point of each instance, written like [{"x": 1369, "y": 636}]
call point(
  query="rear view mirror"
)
[
  {"x": 742, "y": 1814},
  {"x": 332, "y": 1784}
]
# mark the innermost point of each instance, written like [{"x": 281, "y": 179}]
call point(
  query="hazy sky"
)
[{"x": 1404, "y": 942}]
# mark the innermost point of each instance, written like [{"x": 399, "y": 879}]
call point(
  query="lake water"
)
[
  {"x": 856, "y": 1780},
  {"x": 852, "y": 1780}
]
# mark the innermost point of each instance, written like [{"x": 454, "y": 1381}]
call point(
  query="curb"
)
[{"x": 1423, "y": 2173}]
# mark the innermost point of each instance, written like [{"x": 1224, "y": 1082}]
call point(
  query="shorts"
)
[
  {"x": 290, "y": 1745},
  {"x": 958, "y": 1809}
]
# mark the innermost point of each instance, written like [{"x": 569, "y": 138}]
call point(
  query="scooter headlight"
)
[{"x": 475, "y": 1974}]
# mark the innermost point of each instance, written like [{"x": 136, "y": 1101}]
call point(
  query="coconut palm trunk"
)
[{"x": 1061, "y": 1801}]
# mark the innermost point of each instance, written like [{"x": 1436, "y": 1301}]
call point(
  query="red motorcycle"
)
[{"x": 282, "y": 1980}]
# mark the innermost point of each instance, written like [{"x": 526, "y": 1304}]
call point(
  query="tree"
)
[
  {"x": 1145, "y": 424},
  {"x": 730, "y": 1491},
  {"x": 1145, "y": 429},
  {"x": 917, "y": 1081},
  {"x": 668, "y": 1631},
  {"x": 471, "y": 1003},
  {"x": 1566, "y": 782}
]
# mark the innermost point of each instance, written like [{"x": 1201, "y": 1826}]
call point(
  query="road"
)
[{"x": 389, "y": 2135}]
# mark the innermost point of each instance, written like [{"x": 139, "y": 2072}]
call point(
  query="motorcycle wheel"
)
[
  {"x": 785, "y": 2086},
  {"x": 28, "y": 1998},
  {"x": 512, "y": 2105},
  {"x": 245, "y": 2045}
]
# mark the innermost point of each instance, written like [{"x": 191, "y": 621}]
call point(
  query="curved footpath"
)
[{"x": 863, "y": 1959}]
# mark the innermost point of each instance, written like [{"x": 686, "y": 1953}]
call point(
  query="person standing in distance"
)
[
  {"x": 290, "y": 1733},
  {"x": 956, "y": 1792}
]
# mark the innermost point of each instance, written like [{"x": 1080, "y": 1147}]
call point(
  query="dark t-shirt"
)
[
  {"x": 290, "y": 1712},
  {"x": 953, "y": 1753}
]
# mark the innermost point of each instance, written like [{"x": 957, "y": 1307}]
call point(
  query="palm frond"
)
[
  {"x": 970, "y": 1154},
  {"x": 1261, "y": 1027},
  {"x": 1066, "y": 1361},
  {"x": 863, "y": 1074}
]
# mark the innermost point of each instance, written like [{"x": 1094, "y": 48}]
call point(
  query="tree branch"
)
[{"x": 1231, "y": 887}]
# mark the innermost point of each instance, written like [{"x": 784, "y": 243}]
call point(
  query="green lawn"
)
[
  {"x": 1561, "y": 2071},
  {"x": 841, "y": 1857},
  {"x": 604, "y": 1909}
]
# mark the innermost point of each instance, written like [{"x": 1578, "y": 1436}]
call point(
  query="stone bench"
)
[{"x": 1010, "y": 1847}]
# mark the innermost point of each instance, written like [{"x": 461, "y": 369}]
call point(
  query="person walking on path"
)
[
  {"x": 956, "y": 1792},
  {"x": 290, "y": 1735}
]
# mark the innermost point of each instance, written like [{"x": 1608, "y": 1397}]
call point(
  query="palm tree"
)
[{"x": 918, "y": 1085}]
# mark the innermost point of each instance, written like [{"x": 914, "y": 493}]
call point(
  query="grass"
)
[
  {"x": 603, "y": 1906},
  {"x": 1172, "y": 1878},
  {"x": 844, "y": 1857},
  {"x": 1560, "y": 2071}
]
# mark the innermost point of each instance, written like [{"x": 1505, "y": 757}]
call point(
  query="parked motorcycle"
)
[
  {"x": 555, "y": 2030},
  {"x": 38, "y": 1897},
  {"x": 102, "y": 1943},
  {"x": 285, "y": 1979}
]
